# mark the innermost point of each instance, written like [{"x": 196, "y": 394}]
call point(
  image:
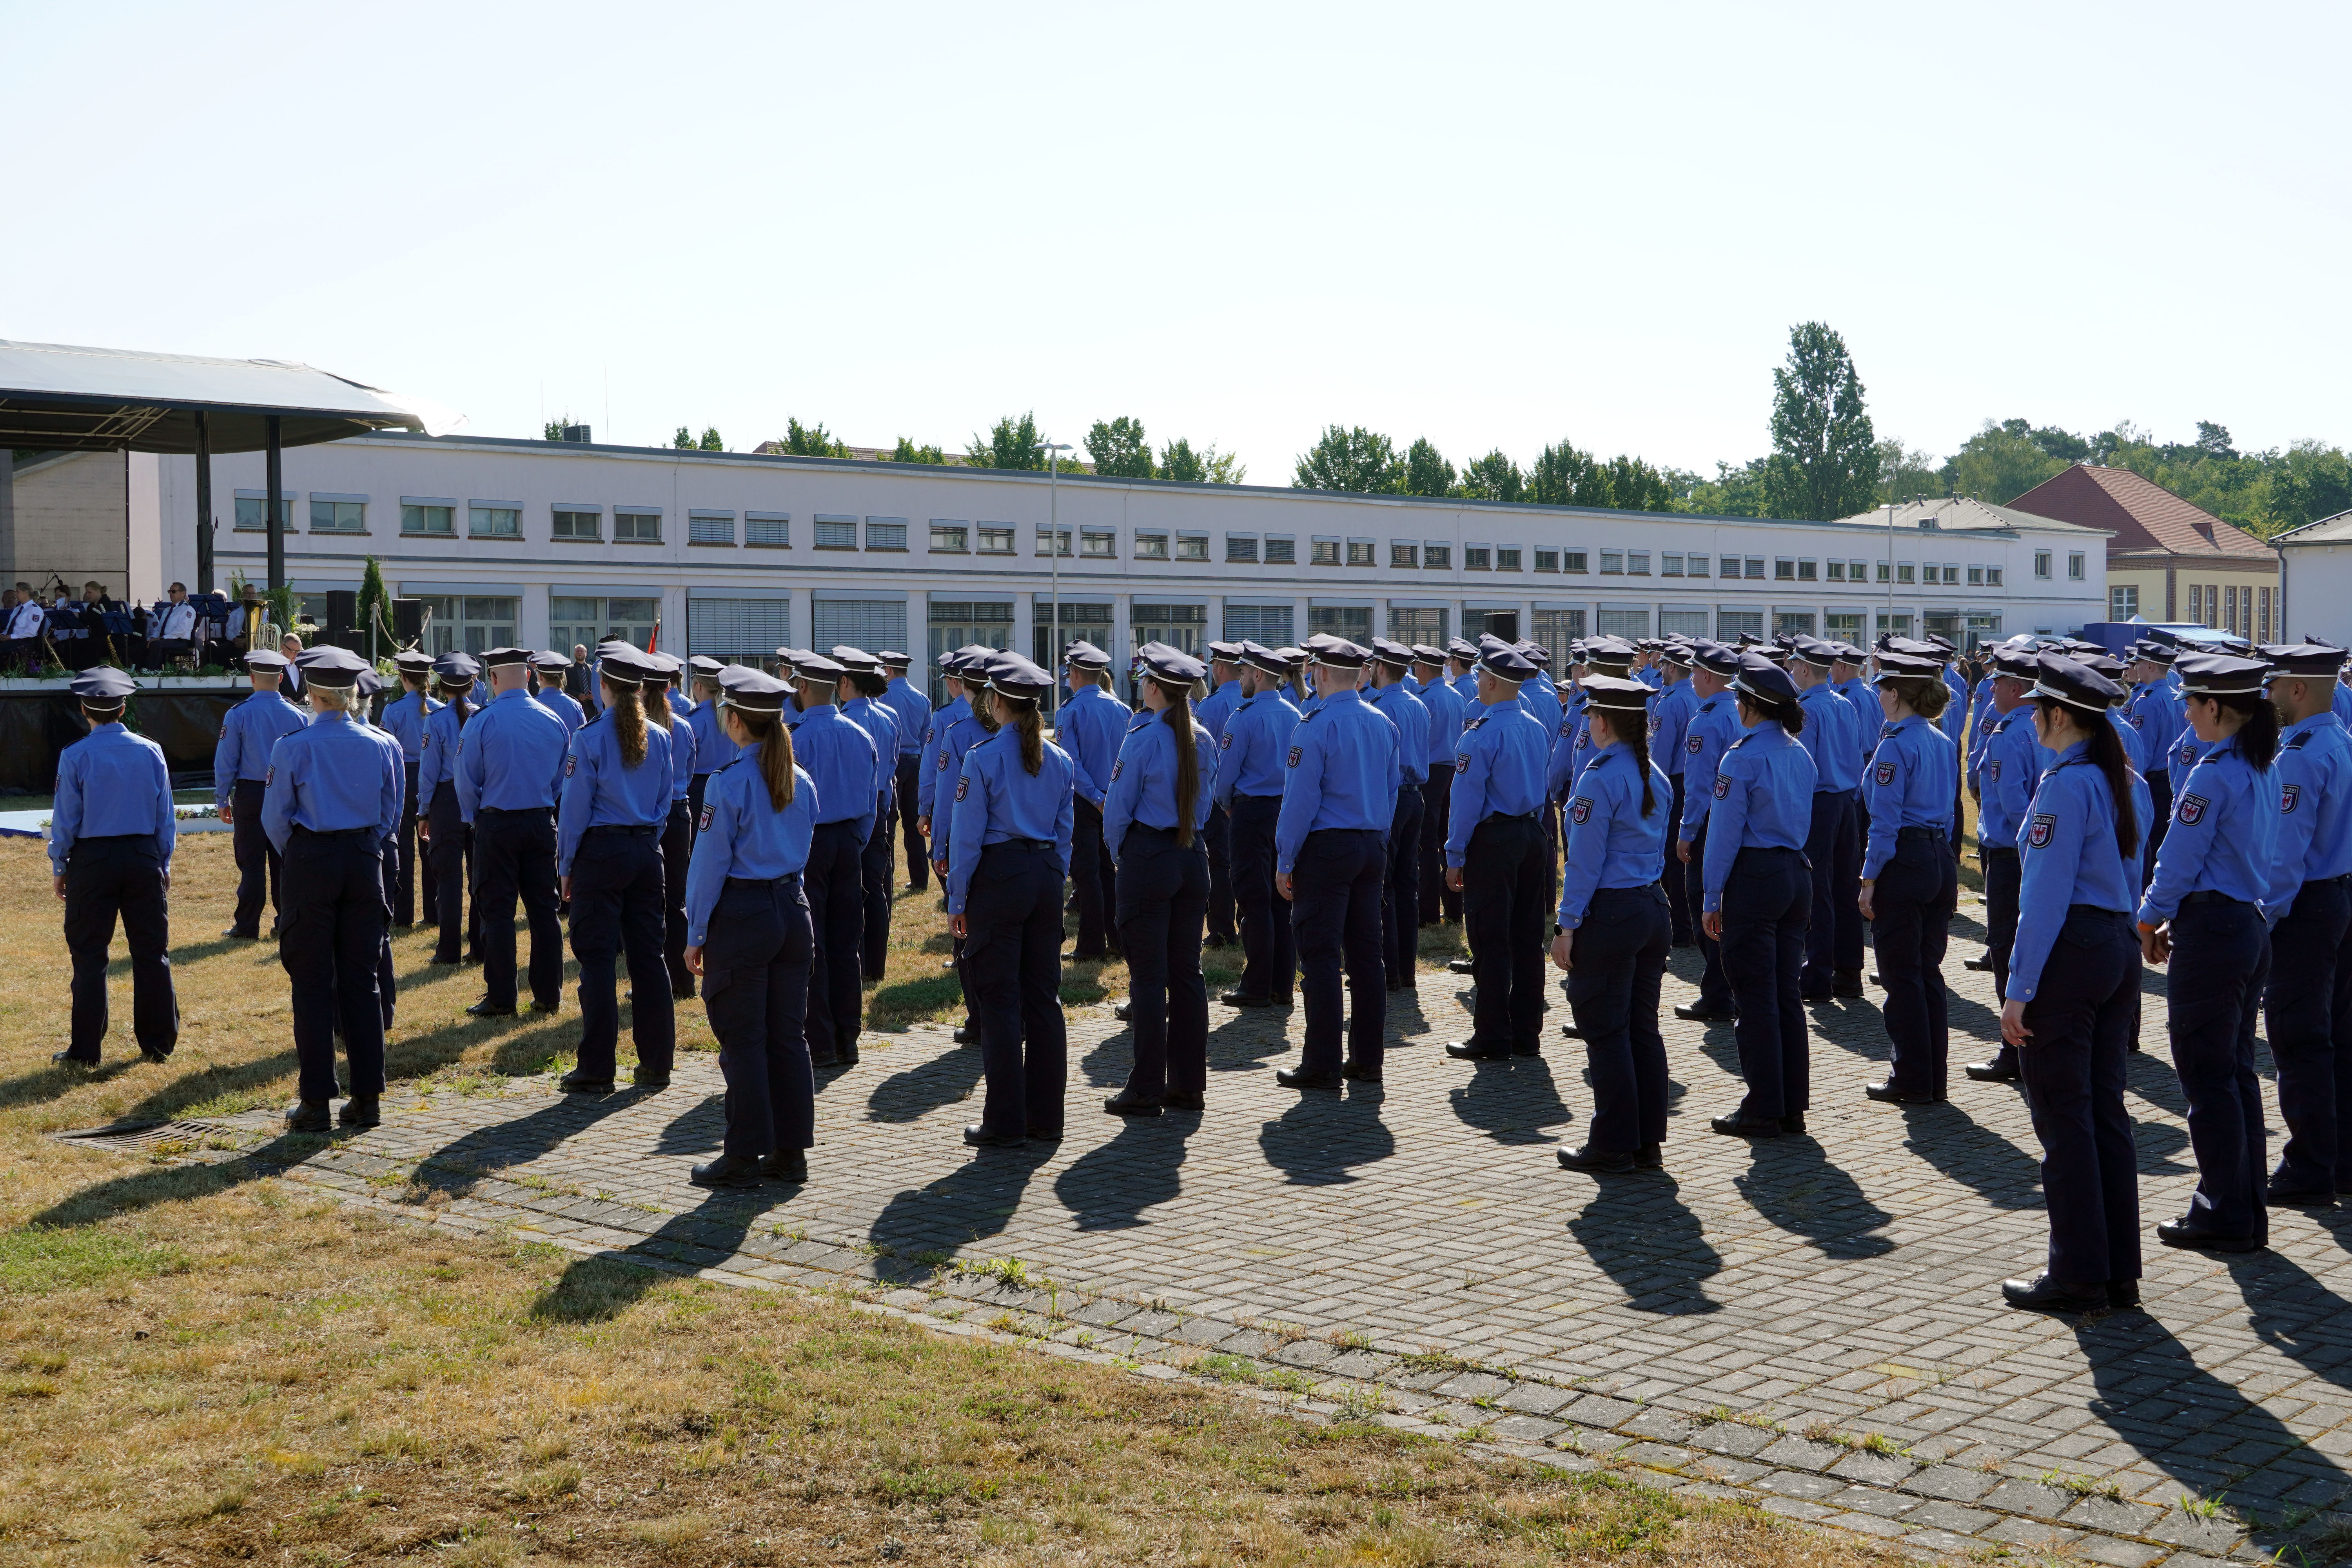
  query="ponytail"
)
[
  {"x": 1635, "y": 734},
  {"x": 982, "y": 709},
  {"x": 1929, "y": 698},
  {"x": 624, "y": 705},
  {"x": 456, "y": 696},
  {"x": 1789, "y": 716},
  {"x": 1031, "y": 728},
  {"x": 2107, "y": 753},
  {"x": 1178, "y": 717},
  {"x": 774, "y": 739},
  {"x": 2258, "y": 736}
]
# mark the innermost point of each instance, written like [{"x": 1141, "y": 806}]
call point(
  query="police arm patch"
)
[
  {"x": 2191, "y": 809},
  {"x": 1722, "y": 786},
  {"x": 1579, "y": 810},
  {"x": 1297, "y": 752},
  {"x": 1992, "y": 769},
  {"x": 1887, "y": 772},
  {"x": 2288, "y": 796},
  {"x": 963, "y": 786},
  {"x": 1118, "y": 766},
  {"x": 2044, "y": 827},
  {"x": 570, "y": 761},
  {"x": 704, "y": 826},
  {"x": 1692, "y": 745}
]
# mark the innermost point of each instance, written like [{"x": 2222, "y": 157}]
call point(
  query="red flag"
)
[{"x": 653, "y": 643}]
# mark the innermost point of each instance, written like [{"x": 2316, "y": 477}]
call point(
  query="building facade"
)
[
  {"x": 2169, "y": 560},
  {"x": 2316, "y": 580},
  {"x": 735, "y": 554}
]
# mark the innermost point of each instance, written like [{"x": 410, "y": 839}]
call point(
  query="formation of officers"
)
[{"x": 1765, "y": 802}]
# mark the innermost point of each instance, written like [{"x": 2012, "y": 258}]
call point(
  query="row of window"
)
[{"x": 2225, "y": 606}]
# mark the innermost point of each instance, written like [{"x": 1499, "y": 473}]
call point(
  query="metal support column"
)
[
  {"x": 270, "y": 508},
  {"x": 203, "y": 504}
]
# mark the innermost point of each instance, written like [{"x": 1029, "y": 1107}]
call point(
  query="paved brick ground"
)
[{"x": 1840, "y": 1285}]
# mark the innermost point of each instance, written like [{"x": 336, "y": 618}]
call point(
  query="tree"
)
[
  {"x": 1905, "y": 473},
  {"x": 810, "y": 440},
  {"x": 1634, "y": 486},
  {"x": 553, "y": 430},
  {"x": 1222, "y": 467},
  {"x": 1493, "y": 478},
  {"x": 2311, "y": 481},
  {"x": 1563, "y": 476},
  {"x": 1178, "y": 461},
  {"x": 1009, "y": 444},
  {"x": 1119, "y": 449},
  {"x": 908, "y": 452},
  {"x": 1348, "y": 458},
  {"x": 2214, "y": 440},
  {"x": 1424, "y": 472},
  {"x": 375, "y": 608},
  {"x": 710, "y": 441},
  {"x": 685, "y": 437},
  {"x": 1824, "y": 462},
  {"x": 1735, "y": 492},
  {"x": 1999, "y": 464}
]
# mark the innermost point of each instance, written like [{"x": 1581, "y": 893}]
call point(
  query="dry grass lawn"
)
[{"x": 203, "y": 1364}]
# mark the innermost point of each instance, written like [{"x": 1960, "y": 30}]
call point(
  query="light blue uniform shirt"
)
[
  {"x": 1345, "y": 763},
  {"x": 1089, "y": 729},
  {"x": 2007, "y": 777},
  {"x": 1218, "y": 706},
  {"x": 1610, "y": 844},
  {"x": 111, "y": 783},
  {"x": 678, "y": 701},
  {"x": 2156, "y": 711},
  {"x": 405, "y": 721},
  {"x": 1412, "y": 720},
  {"x": 1714, "y": 726},
  {"x": 2070, "y": 856},
  {"x": 1865, "y": 698},
  {"x": 1254, "y": 753},
  {"x": 2223, "y": 838},
  {"x": 913, "y": 709},
  {"x": 437, "y": 763},
  {"x": 601, "y": 790},
  {"x": 1910, "y": 783},
  {"x": 873, "y": 716},
  {"x": 996, "y": 798},
  {"x": 742, "y": 834},
  {"x": 511, "y": 757},
  {"x": 1499, "y": 771},
  {"x": 1830, "y": 740},
  {"x": 844, "y": 761},
  {"x": 2314, "y": 833},
  {"x": 945, "y": 717},
  {"x": 249, "y": 732},
  {"x": 1447, "y": 713},
  {"x": 2133, "y": 753},
  {"x": 1670, "y": 718},
  {"x": 2340, "y": 699},
  {"x": 564, "y": 705},
  {"x": 332, "y": 776},
  {"x": 712, "y": 749},
  {"x": 682, "y": 764},
  {"x": 1143, "y": 781},
  {"x": 1954, "y": 720},
  {"x": 1763, "y": 795},
  {"x": 1539, "y": 696}
]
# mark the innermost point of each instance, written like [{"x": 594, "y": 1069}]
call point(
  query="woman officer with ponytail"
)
[
  {"x": 1910, "y": 883},
  {"x": 2073, "y": 992},
  {"x": 1153, "y": 816},
  {"x": 1759, "y": 897},
  {"x": 1011, "y": 816},
  {"x": 748, "y": 935},
  {"x": 2213, "y": 867},
  {"x": 1615, "y": 927}
]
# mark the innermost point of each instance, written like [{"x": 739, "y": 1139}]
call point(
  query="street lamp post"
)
[{"x": 1053, "y": 450}]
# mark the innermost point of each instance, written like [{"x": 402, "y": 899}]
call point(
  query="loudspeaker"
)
[
  {"x": 343, "y": 612},
  {"x": 408, "y": 619}
]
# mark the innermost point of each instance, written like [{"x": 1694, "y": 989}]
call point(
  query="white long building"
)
[{"x": 735, "y": 554}]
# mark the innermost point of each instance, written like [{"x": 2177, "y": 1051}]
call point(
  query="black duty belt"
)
[
  {"x": 2074, "y": 910},
  {"x": 1511, "y": 817},
  {"x": 332, "y": 832},
  {"x": 1149, "y": 831},
  {"x": 1039, "y": 844},
  {"x": 2008, "y": 849},
  {"x": 2211, "y": 896},
  {"x": 1942, "y": 833},
  {"x": 616, "y": 830},
  {"x": 762, "y": 884},
  {"x": 523, "y": 811}
]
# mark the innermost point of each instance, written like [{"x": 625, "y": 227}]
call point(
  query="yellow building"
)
[{"x": 2167, "y": 560}]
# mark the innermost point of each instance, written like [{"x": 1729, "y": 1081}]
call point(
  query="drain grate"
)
[{"x": 145, "y": 1134}]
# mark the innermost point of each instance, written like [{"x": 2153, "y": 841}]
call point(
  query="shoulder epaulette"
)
[
  {"x": 1473, "y": 723},
  {"x": 2295, "y": 743},
  {"x": 1739, "y": 742}
]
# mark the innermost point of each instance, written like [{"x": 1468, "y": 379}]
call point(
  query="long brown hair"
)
[
  {"x": 456, "y": 696},
  {"x": 1633, "y": 730},
  {"x": 1031, "y": 728},
  {"x": 628, "y": 722},
  {"x": 2108, "y": 751},
  {"x": 1178, "y": 717},
  {"x": 1927, "y": 694},
  {"x": 769, "y": 732},
  {"x": 982, "y": 709}
]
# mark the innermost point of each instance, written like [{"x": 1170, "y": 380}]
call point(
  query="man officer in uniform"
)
[
  {"x": 1495, "y": 858},
  {"x": 509, "y": 772},
  {"x": 240, "y": 767},
  {"x": 1250, "y": 767},
  {"x": 1210, "y": 714},
  {"x": 1400, "y": 903}
]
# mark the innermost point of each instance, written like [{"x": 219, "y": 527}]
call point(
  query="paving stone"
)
[
  {"x": 1862, "y": 1525},
  {"x": 2122, "y": 1553},
  {"x": 1597, "y": 1410},
  {"x": 2185, "y": 1529},
  {"x": 1871, "y": 1469},
  {"x": 1724, "y": 1437},
  {"x": 2016, "y": 1495},
  {"x": 1792, "y": 1450},
  {"x": 1797, "y": 1483},
  {"x": 1526, "y": 1428},
  {"x": 2106, "y": 1513},
  {"x": 1952, "y": 1516},
  {"x": 2034, "y": 1534},
  {"x": 1950, "y": 1483}
]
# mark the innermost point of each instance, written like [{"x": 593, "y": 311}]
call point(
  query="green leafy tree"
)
[
  {"x": 1824, "y": 462},
  {"x": 1999, "y": 463},
  {"x": 1009, "y": 444},
  {"x": 810, "y": 440},
  {"x": 1562, "y": 475},
  {"x": 1494, "y": 478},
  {"x": 553, "y": 429},
  {"x": 1118, "y": 449},
  {"x": 1905, "y": 473},
  {"x": 1425, "y": 471},
  {"x": 1222, "y": 467},
  {"x": 685, "y": 437},
  {"x": 1737, "y": 491},
  {"x": 2311, "y": 481},
  {"x": 1348, "y": 457},
  {"x": 710, "y": 441},
  {"x": 1178, "y": 461},
  {"x": 375, "y": 608},
  {"x": 908, "y": 452},
  {"x": 1635, "y": 486}
]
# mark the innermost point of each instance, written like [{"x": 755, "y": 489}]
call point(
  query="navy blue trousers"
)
[
  {"x": 834, "y": 884},
  {"x": 677, "y": 850},
  {"x": 1269, "y": 957},
  {"x": 1013, "y": 970},
  {"x": 1916, "y": 893},
  {"x": 875, "y": 878},
  {"x": 1836, "y": 859},
  {"x": 755, "y": 973},
  {"x": 2080, "y": 1023},
  {"x": 919, "y": 853},
  {"x": 1221, "y": 876},
  {"x": 1093, "y": 881},
  {"x": 2003, "y": 876},
  {"x": 1682, "y": 886},
  {"x": 2309, "y": 1012},
  {"x": 259, "y": 867},
  {"x": 1505, "y": 917},
  {"x": 1335, "y": 918},
  {"x": 514, "y": 858},
  {"x": 616, "y": 907},
  {"x": 1400, "y": 894},
  {"x": 457, "y": 908},
  {"x": 329, "y": 941},
  {"x": 2220, "y": 961},
  {"x": 1438, "y": 902},
  {"x": 106, "y": 878},
  {"x": 1767, "y": 901},
  {"x": 1163, "y": 900},
  {"x": 1620, "y": 957}
]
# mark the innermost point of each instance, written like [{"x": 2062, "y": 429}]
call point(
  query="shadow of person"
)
[
  {"x": 1247, "y": 1037},
  {"x": 177, "y": 1183},
  {"x": 1110, "y": 1186},
  {"x": 967, "y": 1204},
  {"x": 1107, "y": 1064},
  {"x": 1637, "y": 1231},
  {"x": 599, "y": 1288},
  {"x": 1790, "y": 1183},
  {"x": 2294, "y": 1314},
  {"x": 915, "y": 1092},
  {"x": 1515, "y": 1102},
  {"x": 1983, "y": 1161},
  {"x": 1320, "y": 1140},
  {"x": 699, "y": 1129},
  {"x": 485, "y": 1151}
]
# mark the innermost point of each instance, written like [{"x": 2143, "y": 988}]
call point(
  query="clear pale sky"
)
[{"x": 1490, "y": 225}]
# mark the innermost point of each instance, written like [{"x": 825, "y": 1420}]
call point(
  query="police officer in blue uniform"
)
[
  {"x": 2073, "y": 991},
  {"x": 2216, "y": 865},
  {"x": 404, "y": 719},
  {"x": 333, "y": 808},
  {"x": 619, "y": 782},
  {"x": 548, "y": 669},
  {"x": 2156, "y": 710},
  {"x": 1446, "y": 710},
  {"x": 249, "y": 731},
  {"x": 1670, "y": 718},
  {"x": 447, "y": 841},
  {"x": 712, "y": 750},
  {"x": 957, "y": 726},
  {"x": 863, "y": 689},
  {"x": 912, "y": 710},
  {"x": 1832, "y": 847},
  {"x": 1759, "y": 898},
  {"x": 1154, "y": 820},
  {"x": 2008, "y": 771},
  {"x": 1614, "y": 931},
  {"x": 1253, "y": 762},
  {"x": 1909, "y": 883},
  {"x": 2309, "y": 1005},
  {"x": 111, "y": 837},
  {"x": 1210, "y": 714},
  {"x": 848, "y": 769},
  {"x": 1495, "y": 858},
  {"x": 1714, "y": 724},
  {"x": 1401, "y": 893},
  {"x": 1090, "y": 728},
  {"x": 748, "y": 935},
  {"x": 1339, "y": 797},
  {"x": 510, "y": 766},
  {"x": 656, "y": 671},
  {"x": 1008, "y": 863}
]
